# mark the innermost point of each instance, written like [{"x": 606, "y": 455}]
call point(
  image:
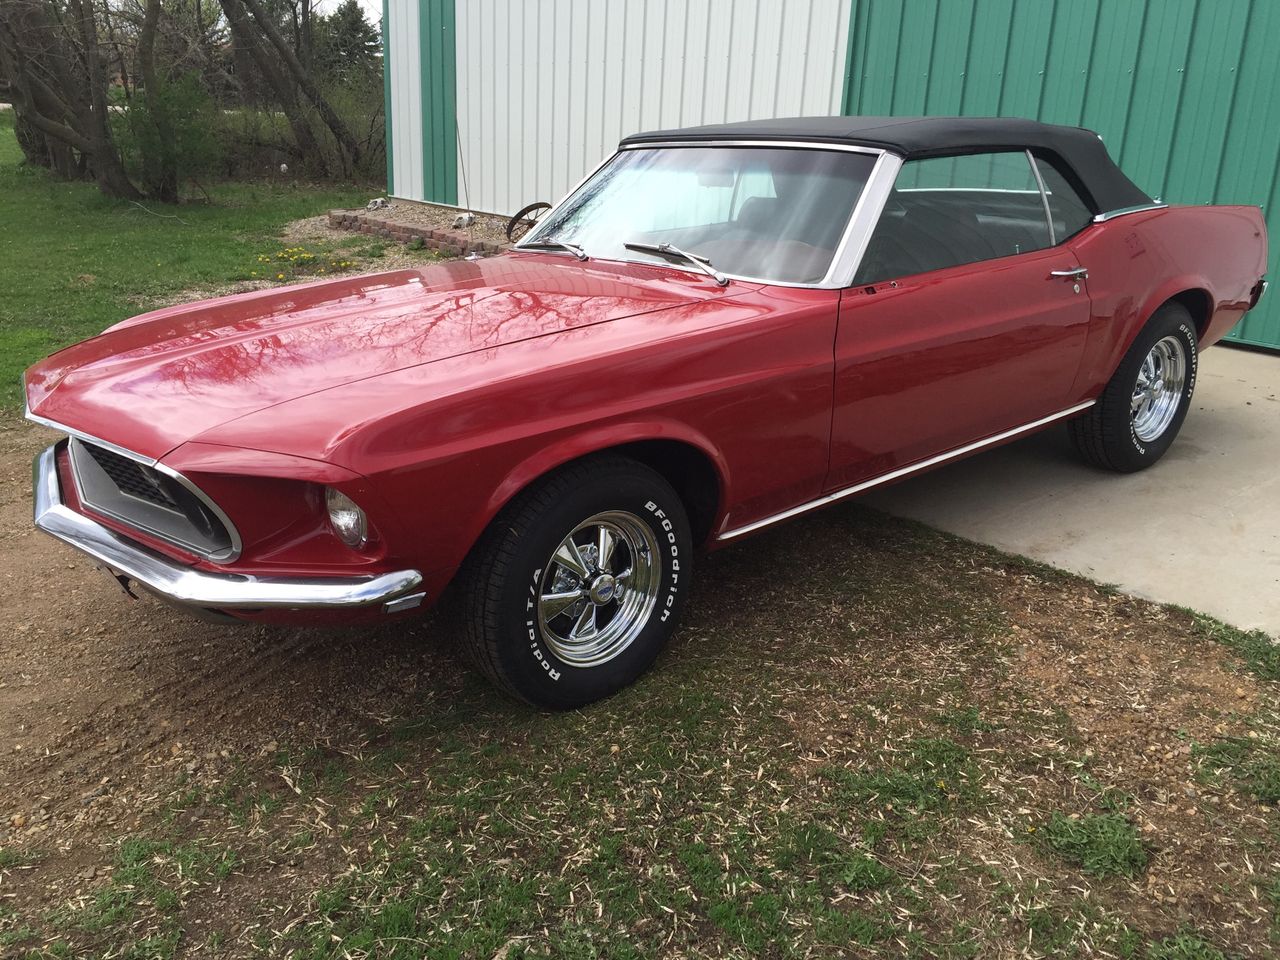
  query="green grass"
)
[
  {"x": 1252, "y": 762},
  {"x": 1103, "y": 844},
  {"x": 74, "y": 261},
  {"x": 930, "y": 779},
  {"x": 1183, "y": 946},
  {"x": 1260, "y": 653}
]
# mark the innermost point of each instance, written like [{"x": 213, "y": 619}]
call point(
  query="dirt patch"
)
[
  {"x": 103, "y": 697},
  {"x": 316, "y": 232},
  {"x": 365, "y": 255}
]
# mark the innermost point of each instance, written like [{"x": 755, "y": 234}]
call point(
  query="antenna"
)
[{"x": 466, "y": 194}]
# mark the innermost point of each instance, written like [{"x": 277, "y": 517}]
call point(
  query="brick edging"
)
[{"x": 451, "y": 243}]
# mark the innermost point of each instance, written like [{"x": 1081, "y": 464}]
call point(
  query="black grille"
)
[{"x": 133, "y": 478}]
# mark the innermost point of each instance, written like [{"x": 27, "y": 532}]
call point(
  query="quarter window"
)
[{"x": 947, "y": 211}]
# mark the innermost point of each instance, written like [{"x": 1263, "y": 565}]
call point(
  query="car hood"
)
[{"x": 153, "y": 382}]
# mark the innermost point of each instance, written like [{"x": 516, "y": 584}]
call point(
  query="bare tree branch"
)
[{"x": 303, "y": 79}]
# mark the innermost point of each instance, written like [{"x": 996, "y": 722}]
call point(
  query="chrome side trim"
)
[
  {"x": 853, "y": 242},
  {"x": 1125, "y": 211},
  {"x": 906, "y": 471},
  {"x": 189, "y": 587},
  {"x": 237, "y": 545}
]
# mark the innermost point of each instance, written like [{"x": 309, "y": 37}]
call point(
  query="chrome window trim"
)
[
  {"x": 1044, "y": 199},
  {"x": 884, "y": 478},
  {"x": 237, "y": 545},
  {"x": 1125, "y": 211},
  {"x": 862, "y": 222},
  {"x": 853, "y": 241},
  {"x": 965, "y": 189},
  {"x": 789, "y": 144}
]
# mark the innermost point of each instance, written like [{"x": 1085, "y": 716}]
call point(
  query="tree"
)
[
  {"x": 49, "y": 53},
  {"x": 347, "y": 46},
  {"x": 348, "y": 147},
  {"x": 141, "y": 95}
]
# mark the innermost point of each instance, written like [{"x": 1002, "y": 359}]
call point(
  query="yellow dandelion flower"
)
[{"x": 279, "y": 276}]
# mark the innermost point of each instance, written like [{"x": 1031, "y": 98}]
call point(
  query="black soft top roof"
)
[{"x": 1081, "y": 153}]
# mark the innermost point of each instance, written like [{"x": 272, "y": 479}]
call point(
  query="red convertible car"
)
[{"x": 720, "y": 328}]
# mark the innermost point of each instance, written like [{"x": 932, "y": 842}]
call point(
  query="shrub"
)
[{"x": 169, "y": 135}]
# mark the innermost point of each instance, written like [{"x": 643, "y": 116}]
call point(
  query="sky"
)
[{"x": 372, "y": 9}]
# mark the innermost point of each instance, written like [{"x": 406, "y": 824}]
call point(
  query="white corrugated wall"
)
[
  {"x": 547, "y": 88},
  {"x": 404, "y": 95}
]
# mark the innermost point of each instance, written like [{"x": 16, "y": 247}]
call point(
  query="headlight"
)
[{"x": 347, "y": 519}]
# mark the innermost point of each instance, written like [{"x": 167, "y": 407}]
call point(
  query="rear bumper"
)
[
  {"x": 201, "y": 590},
  {"x": 1259, "y": 291}
]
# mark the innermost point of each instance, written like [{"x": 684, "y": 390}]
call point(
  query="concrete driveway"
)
[{"x": 1201, "y": 528}]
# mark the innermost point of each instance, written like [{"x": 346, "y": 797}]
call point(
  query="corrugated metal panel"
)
[
  {"x": 404, "y": 101},
  {"x": 388, "y": 134},
  {"x": 1182, "y": 91},
  {"x": 547, "y": 88},
  {"x": 438, "y": 66},
  {"x": 420, "y": 73}
]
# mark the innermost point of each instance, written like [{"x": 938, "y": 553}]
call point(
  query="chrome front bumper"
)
[{"x": 200, "y": 589}]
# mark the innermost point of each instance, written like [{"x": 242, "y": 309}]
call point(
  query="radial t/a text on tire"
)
[
  {"x": 1141, "y": 409},
  {"x": 578, "y": 584}
]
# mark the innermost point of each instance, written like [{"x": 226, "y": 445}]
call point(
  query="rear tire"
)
[
  {"x": 577, "y": 585},
  {"x": 1141, "y": 409}
]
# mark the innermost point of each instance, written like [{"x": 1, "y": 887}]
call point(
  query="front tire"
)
[
  {"x": 578, "y": 584},
  {"x": 1141, "y": 409}
]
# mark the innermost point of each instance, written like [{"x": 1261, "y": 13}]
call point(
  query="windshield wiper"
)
[
  {"x": 669, "y": 250},
  {"x": 573, "y": 248}
]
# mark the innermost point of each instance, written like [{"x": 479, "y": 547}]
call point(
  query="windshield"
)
[{"x": 762, "y": 212}]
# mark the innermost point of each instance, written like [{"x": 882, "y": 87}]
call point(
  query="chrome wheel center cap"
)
[{"x": 603, "y": 589}]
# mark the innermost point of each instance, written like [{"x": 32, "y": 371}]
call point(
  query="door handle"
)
[{"x": 1075, "y": 273}]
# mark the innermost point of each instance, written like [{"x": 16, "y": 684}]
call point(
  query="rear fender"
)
[{"x": 1188, "y": 282}]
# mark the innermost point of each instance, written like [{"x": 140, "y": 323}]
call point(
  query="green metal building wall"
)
[
  {"x": 1185, "y": 93},
  {"x": 420, "y": 89}
]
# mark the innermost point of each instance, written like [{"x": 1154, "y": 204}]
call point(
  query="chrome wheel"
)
[
  {"x": 1158, "y": 390},
  {"x": 599, "y": 588}
]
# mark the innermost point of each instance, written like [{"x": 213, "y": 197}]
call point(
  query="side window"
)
[
  {"x": 947, "y": 211},
  {"x": 1070, "y": 213}
]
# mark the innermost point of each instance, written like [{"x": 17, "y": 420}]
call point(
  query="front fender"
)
[{"x": 596, "y": 440}]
